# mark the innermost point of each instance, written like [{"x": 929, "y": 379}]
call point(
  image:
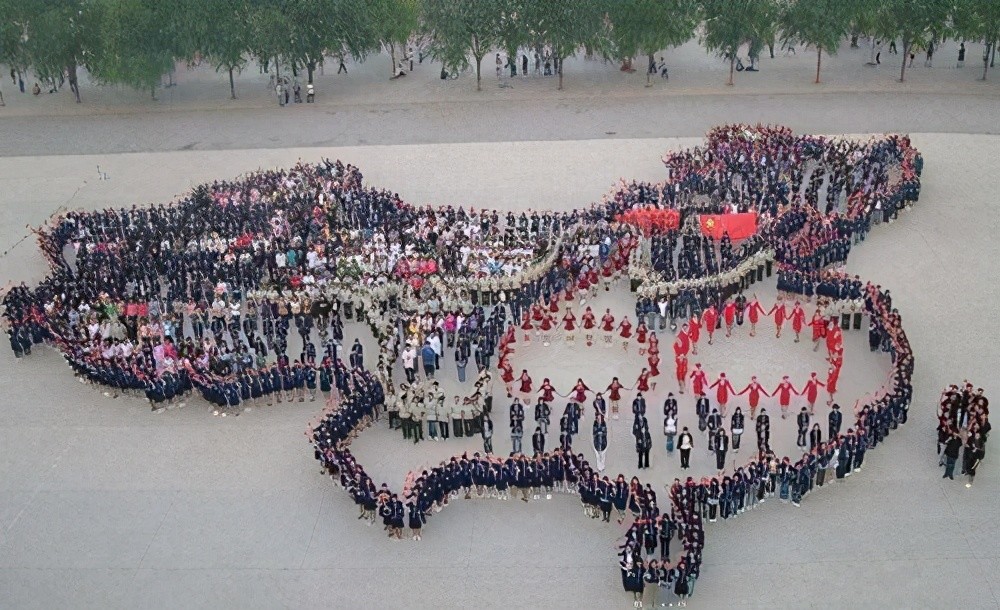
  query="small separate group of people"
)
[{"x": 963, "y": 427}]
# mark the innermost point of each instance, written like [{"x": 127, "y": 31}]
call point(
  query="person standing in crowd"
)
[
  {"x": 685, "y": 442},
  {"x": 951, "y": 450},
  {"x": 721, "y": 448},
  {"x": 600, "y": 435},
  {"x": 429, "y": 359},
  {"x": 736, "y": 425}
]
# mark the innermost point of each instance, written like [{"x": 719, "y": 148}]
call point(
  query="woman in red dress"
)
[
  {"x": 506, "y": 374},
  {"x": 729, "y": 314},
  {"x": 589, "y": 322},
  {"x": 780, "y": 315},
  {"x": 509, "y": 337},
  {"x": 554, "y": 302},
  {"x": 640, "y": 336},
  {"x": 642, "y": 383},
  {"x": 754, "y": 312},
  {"x": 527, "y": 327},
  {"x": 711, "y": 318},
  {"x": 525, "y": 382},
  {"x": 818, "y": 325},
  {"x": 579, "y": 391},
  {"x": 654, "y": 345},
  {"x": 614, "y": 390},
  {"x": 608, "y": 326},
  {"x": 832, "y": 377},
  {"x": 547, "y": 391},
  {"x": 694, "y": 333},
  {"x": 798, "y": 320},
  {"x": 654, "y": 361},
  {"x": 625, "y": 332},
  {"x": 593, "y": 279},
  {"x": 547, "y": 324},
  {"x": 681, "y": 363},
  {"x": 755, "y": 390},
  {"x": 569, "y": 325},
  {"x": 582, "y": 286}
]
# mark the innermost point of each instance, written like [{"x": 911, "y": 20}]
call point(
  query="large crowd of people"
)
[
  {"x": 201, "y": 295},
  {"x": 963, "y": 426}
]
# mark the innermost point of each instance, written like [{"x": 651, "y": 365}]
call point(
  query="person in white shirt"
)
[{"x": 435, "y": 342}]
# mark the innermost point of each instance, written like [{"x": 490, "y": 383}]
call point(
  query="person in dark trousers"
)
[
  {"x": 836, "y": 419},
  {"x": 951, "y": 449},
  {"x": 685, "y": 442},
  {"x": 803, "y": 422},
  {"x": 643, "y": 443},
  {"x": 721, "y": 447},
  {"x": 538, "y": 441}
]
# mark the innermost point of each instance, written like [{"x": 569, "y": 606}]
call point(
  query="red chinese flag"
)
[{"x": 739, "y": 226}]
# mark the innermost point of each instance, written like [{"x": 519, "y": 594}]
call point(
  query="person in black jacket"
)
[
  {"x": 836, "y": 418},
  {"x": 721, "y": 447},
  {"x": 951, "y": 449},
  {"x": 600, "y": 440},
  {"x": 538, "y": 441},
  {"x": 803, "y": 421},
  {"x": 643, "y": 443},
  {"x": 737, "y": 422}
]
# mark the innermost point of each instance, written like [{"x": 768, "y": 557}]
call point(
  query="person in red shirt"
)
[
  {"x": 582, "y": 286},
  {"x": 554, "y": 303},
  {"x": 569, "y": 325},
  {"x": 681, "y": 363},
  {"x": 608, "y": 326},
  {"x": 625, "y": 332},
  {"x": 818, "y": 325},
  {"x": 811, "y": 392},
  {"x": 525, "y": 382},
  {"x": 641, "y": 333},
  {"x": 798, "y": 320},
  {"x": 755, "y": 390},
  {"x": 579, "y": 391},
  {"x": 710, "y": 317},
  {"x": 834, "y": 338},
  {"x": 589, "y": 322},
  {"x": 654, "y": 345},
  {"x": 614, "y": 390},
  {"x": 722, "y": 393},
  {"x": 698, "y": 380},
  {"x": 729, "y": 315},
  {"x": 780, "y": 315},
  {"x": 694, "y": 333},
  {"x": 510, "y": 337},
  {"x": 754, "y": 312},
  {"x": 784, "y": 392}
]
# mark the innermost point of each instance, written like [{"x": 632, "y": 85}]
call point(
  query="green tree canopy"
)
[
  {"x": 729, "y": 24},
  {"x": 648, "y": 26},
  {"x": 460, "y": 29},
  {"x": 820, "y": 23},
  {"x": 978, "y": 20}
]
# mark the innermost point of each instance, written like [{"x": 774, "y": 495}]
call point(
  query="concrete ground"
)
[{"x": 106, "y": 505}]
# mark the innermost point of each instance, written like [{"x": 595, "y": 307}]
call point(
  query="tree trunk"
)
[
  {"x": 392, "y": 57},
  {"x": 152, "y": 91},
  {"x": 74, "y": 84},
  {"x": 277, "y": 70},
  {"x": 819, "y": 58},
  {"x": 906, "y": 56},
  {"x": 986, "y": 59},
  {"x": 871, "y": 59},
  {"x": 479, "y": 73},
  {"x": 649, "y": 73},
  {"x": 732, "y": 68},
  {"x": 232, "y": 85},
  {"x": 560, "y": 60},
  {"x": 310, "y": 68}
]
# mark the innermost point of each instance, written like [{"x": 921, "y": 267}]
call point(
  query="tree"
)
[
  {"x": 820, "y": 23},
  {"x": 136, "y": 47},
  {"x": 914, "y": 22},
  {"x": 59, "y": 38},
  {"x": 567, "y": 26},
  {"x": 394, "y": 21},
  {"x": 648, "y": 26},
  {"x": 226, "y": 42},
  {"x": 729, "y": 24},
  {"x": 978, "y": 20},
  {"x": 13, "y": 31},
  {"x": 270, "y": 41},
  {"x": 461, "y": 28}
]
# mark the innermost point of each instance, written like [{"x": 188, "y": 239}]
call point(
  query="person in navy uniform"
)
[
  {"x": 737, "y": 423},
  {"x": 763, "y": 428},
  {"x": 538, "y": 441},
  {"x": 600, "y": 436},
  {"x": 643, "y": 444},
  {"x": 417, "y": 518}
]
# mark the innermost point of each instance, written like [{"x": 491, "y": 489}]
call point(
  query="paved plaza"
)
[{"x": 104, "y": 504}]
